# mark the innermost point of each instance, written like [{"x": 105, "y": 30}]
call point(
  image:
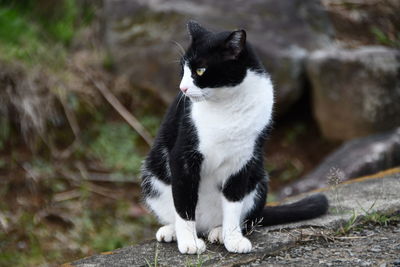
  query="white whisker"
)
[
  {"x": 179, "y": 101},
  {"x": 181, "y": 49}
]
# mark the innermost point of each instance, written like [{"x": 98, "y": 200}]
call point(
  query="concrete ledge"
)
[{"x": 375, "y": 193}]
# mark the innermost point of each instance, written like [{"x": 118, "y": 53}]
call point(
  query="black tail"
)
[{"x": 307, "y": 208}]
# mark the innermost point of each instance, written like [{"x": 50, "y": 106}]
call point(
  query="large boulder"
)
[
  {"x": 359, "y": 157},
  {"x": 356, "y": 92},
  {"x": 142, "y": 37}
]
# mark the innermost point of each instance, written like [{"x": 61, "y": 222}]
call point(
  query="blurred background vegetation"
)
[
  {"x": 59, "y": 140},
  {"x": 69, "y": 163}
]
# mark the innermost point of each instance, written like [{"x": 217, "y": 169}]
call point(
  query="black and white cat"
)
[{"x": 205, "y": 175}]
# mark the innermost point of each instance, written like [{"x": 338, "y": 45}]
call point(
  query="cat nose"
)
[{"x": 184, "y": 89}]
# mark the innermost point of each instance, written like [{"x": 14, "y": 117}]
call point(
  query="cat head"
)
[{"x": 214, "y": 61}]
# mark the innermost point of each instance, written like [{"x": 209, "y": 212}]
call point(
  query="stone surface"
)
[
  {"x": 359, "y": 157},
  {"x": 364, "y": 22},
  {"x": 355, "y": 91},
  {"x": 140, "y": 36},
  {"x": 372, "y": 245},
  {"x": 358, "y": 197}
]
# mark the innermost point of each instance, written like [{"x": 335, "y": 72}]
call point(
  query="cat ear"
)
[
  {"x": 235, "y": 44},
  {"x": 195, "y": 29}
]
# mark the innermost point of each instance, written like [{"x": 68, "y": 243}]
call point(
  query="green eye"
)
[{"x": 200, "y": 71}]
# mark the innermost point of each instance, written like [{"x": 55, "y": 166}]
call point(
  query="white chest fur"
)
[{"x": 229, "y": 124}]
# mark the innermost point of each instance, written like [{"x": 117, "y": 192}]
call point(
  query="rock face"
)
[
  {"x": 140, "y": 36},
  {"x": 355, "y": 158},
  {"x": 356, "y": 92},
  {"x": 345, "y": 200}
]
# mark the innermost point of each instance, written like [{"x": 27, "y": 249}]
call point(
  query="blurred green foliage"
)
[
  {"x": 34, "y": 242},
  {"x": 40, "y": 34},
  {"x": 19, "y": 38},
  {"x": 39, "y": 31},
  {"x": 384, "y": 38},
  {"x": 116, "y": 147}
]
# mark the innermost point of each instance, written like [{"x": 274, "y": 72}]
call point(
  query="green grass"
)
[
  {"x": 116, "y": 147},
  {"x": 25, "y": 249},
  {"x": 63, "y": 28},
  {"x": 380, "y": 218},
  {"x": 199, "y": 262},
  {"x": 356, "y": 221},
  {"x": 384, "y": 38},
  {"x": 349, "y": 225},
  {"x": 31, "y": 34},
  {"x": 19, "y": 39},
  {"x": 154, "y": 262}
]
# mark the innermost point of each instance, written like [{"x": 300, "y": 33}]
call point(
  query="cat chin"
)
[{"x": 196, "y": 99}]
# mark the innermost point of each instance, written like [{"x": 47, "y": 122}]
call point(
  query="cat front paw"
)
[
  {"x": 166, "y": 233},
  {"x": 215, "y": 235},
  {"x": 191, "y": 246},
  {"x": 237, "y": 244}
]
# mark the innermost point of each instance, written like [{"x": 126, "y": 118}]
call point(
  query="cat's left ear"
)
[{"x": 234, "y": 44}]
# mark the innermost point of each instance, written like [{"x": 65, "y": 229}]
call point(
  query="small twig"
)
[
  {"x": 353, "y": 2},
  {"x": 101, "y": 191},
  {"x": 91, "y": 187},
  {"x": 59, "y": 197},
  {"x": 72, "y": 120},
  {"x": 97, "y": 177},
  {"x": 116, "y": 104},
  {"x": 351, "y": 237}
]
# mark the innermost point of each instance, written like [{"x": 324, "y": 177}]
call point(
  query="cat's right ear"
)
[
  {"x": 195, "y": 29},
  {"x": 235, "y": 44}
]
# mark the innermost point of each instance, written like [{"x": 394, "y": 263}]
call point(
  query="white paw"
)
[
  {"x": 237, "y": 244},
  {"x": 191, "y": 246},
  {"x": 215, "y": 235},
  {"x": 166, "y": 233}
]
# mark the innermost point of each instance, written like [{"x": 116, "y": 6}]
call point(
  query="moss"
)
[{"x": 116, "y": 147}]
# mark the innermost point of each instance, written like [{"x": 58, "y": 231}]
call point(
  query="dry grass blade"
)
[{"x": 71, "y": 194}]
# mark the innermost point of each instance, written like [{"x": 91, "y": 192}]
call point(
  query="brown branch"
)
[{"x": 116, "y": 104}]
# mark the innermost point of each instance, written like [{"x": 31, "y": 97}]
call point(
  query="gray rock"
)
[
  {"x": 355, "y": 198},
  {"x": 140, "y": 36},
  {"x": 356, "y": 92},
  {"x": 353, "y": 159}
]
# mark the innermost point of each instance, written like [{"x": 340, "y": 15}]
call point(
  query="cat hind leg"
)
[
  {"x": 215, "y": 235},
  {"x": 166, "y": 233}
]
